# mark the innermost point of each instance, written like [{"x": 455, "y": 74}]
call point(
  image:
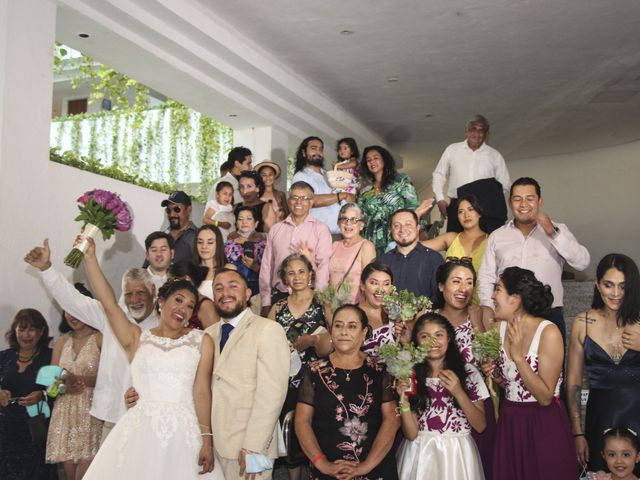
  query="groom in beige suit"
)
[{"x": 250, "y": 375}]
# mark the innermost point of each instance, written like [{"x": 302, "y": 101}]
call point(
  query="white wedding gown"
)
[{"x": 160, "y": 437}]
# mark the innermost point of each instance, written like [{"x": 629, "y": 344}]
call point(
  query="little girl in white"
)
[
  {"x": 621, "y": 452},
  {"x": 448, "y": 403},
  {"x": 219, "y": 212},
  {"x": 348, "y": 155}
]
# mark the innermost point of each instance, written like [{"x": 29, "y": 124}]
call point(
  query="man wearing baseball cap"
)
[{"x": 181, "y": 228}]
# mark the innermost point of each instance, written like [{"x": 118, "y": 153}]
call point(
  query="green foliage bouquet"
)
[
  {"x": 335, "y": 297},
  {"x": 404, "y": 305},
  {"x": 401, "y": 358},
  {"x": 486, "y": 347}
]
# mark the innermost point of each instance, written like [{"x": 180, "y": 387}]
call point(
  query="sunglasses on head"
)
[
  {"x": 175, "y": 209},
  {"x": 459, "y": 260}
]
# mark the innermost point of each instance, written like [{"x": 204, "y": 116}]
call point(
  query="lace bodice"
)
[
  {"x": 164, "y": 369},
  {"x": 514, "y": 387}
]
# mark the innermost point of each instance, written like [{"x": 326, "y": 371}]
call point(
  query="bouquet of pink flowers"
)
[{"x": 100, "y": 211}]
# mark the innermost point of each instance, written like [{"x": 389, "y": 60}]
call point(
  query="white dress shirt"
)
[
  {"x": 158, "y": 280},
  {"x": 538, "y": 252},
  {"x": 114, "y": 374},
  {"x": 462, "y": 165},
  {"x": 329, "y": 214}
]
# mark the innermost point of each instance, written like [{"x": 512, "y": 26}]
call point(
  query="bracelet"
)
[
  {"x": 578, "y": 435},
  {"x": 405, "y": 409},
  {"x": 317, "y": 458},
  {"x": 206, "y": 434},
  {"x": 216, "y": 223}
]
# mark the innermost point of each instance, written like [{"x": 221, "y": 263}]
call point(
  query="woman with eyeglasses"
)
[
  {"x": 470, "y": 243},
  {"x": 350, "y": 255}
]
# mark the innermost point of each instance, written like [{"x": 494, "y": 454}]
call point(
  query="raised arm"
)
[
  {"x": 574, "y": 385},
  {"x": 441, "y": 242},
  {"x": 126, "y": 332}
]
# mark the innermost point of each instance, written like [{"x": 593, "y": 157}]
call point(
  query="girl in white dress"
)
[
  {"x": 448, "y": 402},
  {"x": 168, "y": 433}
]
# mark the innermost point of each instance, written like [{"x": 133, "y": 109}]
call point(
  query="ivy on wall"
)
[{"x": 166, "y": 146}]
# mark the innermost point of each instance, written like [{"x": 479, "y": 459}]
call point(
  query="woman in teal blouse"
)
[{"x": 388, "y": 191}]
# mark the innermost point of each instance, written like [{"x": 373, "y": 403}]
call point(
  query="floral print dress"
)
[
  {"x": 377, "y": 209},
  {"x": 348, "y": 412}
]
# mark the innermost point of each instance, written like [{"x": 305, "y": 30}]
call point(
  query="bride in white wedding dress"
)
[{"x": 167, "y": 435}]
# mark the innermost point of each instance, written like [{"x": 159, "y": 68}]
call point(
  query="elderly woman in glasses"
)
[{"x": 352, "y": 253}]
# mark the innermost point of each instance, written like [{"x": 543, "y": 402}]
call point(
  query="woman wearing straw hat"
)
[{"x": 270, "y": 172}]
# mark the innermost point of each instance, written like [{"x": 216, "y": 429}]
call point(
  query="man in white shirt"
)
[
  {"x": 464, "y": 163},
  {"x": 159, "y": 254},
  {"x": 310, "y": 169},
  {"x": 532, "y": 241},
  {"x": 238, "y": 161},
  {"x": 114, "y": 376}
]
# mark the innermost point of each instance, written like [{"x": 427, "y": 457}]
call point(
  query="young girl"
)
[
  {"x": 348, "y": 158},
  {"x": 621, "y": 453},
  {"x": 219, "y": 212},
  {"x": 448, "y": 403}
]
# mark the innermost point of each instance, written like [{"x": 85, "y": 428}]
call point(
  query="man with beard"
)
[
  {"x": 532, "y": 241},
  {"x": 114, "y": 375},
  {"x": 250, "y": 378},
  {"x": 413, "y": 265},
  {"x": 181, "y": 228},
  {"x": 238, "y": 161},
  {"x": 309, "y": 169}
]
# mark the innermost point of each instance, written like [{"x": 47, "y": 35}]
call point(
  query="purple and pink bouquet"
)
[{"x": 100, "y": 211}]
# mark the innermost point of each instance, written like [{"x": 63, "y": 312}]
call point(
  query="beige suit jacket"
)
[{"x": 249, "y": 385}]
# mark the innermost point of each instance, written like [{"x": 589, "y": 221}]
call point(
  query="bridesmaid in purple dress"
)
[
  {"x": 534, "y": 440},
  {"x": 456, "y": 280}
]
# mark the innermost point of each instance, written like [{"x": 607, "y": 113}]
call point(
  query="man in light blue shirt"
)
[{"x": 309, "y": 168}]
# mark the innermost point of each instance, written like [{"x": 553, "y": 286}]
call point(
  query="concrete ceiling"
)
[{"x": 553, "y": 76}]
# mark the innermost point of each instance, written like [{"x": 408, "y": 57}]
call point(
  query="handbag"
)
[
  {"x": 38, "y": 428},
  {"x": 294, "y": 455}
]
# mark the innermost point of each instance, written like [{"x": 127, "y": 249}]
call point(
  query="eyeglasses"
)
[
  {"x": 349, "y": 221},
  {"x": 175, "y": 209},
  {"x": 462, "y": 260},
  {"x": 299, "y": 198}
]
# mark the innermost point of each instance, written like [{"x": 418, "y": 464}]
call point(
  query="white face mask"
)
[{"x": 246, "y": 234}]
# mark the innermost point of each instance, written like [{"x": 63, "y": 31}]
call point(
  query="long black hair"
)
[
  {"x": 442, "y": 275},
  {"x": 301, "y": 153},
  {"x": 629, "y": 312},
  {"x": 453, "y": 361}
]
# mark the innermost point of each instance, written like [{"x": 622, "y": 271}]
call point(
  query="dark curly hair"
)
[
  {"x": 301, "y": 155},
  {"x": 629, "y": 312},
  {"x": 28, "y": 318},
  {"x": 453, "y": 361},
  {"x": 174, "y": 285},
  {"x": 442, "y": 275},
  {"x": 536, "y": 297},
  {"x": 389, "y": 170},
  {"x": 196, "y": 273},
  {"x": 255, "y": 176}
]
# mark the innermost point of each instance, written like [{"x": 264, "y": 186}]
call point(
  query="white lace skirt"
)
[
  {"x": 445, "y": 456},
  {"x": 153, "y": 440}
]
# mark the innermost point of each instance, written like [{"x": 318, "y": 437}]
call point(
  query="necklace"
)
[
  {"x": 347, "y": 374},
  {"x": 21, "y": 359}
]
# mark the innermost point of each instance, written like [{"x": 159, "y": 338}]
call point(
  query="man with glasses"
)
[
  {"x": 298, "y": 233},
  {"x": 181, "y": 228}
]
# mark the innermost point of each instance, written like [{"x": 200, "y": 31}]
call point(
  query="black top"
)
[
  {"x": 18, "y": 458},
  {"x": 347, "y": 412},
  {"x": 416, "y": 271}
]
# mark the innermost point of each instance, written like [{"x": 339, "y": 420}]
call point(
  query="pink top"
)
[
  {"x": 283, "y": 240},
  {"x": 341, "y": 259},
  {"x": 514, "y": 387}
]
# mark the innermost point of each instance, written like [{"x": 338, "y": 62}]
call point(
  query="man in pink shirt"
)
[{"x": 298, "y": 233}]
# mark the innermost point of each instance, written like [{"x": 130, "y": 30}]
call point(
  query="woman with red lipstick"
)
[
  {"x": 470, "y": 243},
  {"x": 28, "y": 339},
  {"x": 601, "y": 341},
  {"x": 167, "y": 434}
]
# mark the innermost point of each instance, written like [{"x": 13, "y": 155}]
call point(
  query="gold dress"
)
[{"x": 74, "y": 435}]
